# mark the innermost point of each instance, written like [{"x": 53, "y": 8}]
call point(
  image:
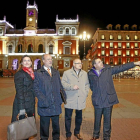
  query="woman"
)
[{"x": 24, "y": 98}]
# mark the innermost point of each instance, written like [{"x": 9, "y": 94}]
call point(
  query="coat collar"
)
[
  {"x": 53, "y": 71},
  {"x": 74, "y": 73}
]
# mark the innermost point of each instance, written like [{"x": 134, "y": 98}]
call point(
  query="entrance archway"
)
[
  {"x": 15, "y": 64},
  {"x": 37, "y": 64}
]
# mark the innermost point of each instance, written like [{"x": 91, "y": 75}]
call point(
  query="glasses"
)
[
  {"x": 78, "y": 63},
  {"x": 49, "y": 59}
]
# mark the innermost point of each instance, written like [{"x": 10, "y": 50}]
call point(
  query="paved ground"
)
[{"x": 125, "y": 117}]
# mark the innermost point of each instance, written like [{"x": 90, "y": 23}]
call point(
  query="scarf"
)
[{"x": 29, "y": 71}]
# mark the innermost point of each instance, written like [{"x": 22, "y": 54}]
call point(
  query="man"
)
[
  {"x": 47, "y": 85},
  {"x": 76, "y": 84},
  {"x": 103, "y": 94}
]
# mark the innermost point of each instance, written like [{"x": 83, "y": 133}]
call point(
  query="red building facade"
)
[{"x": 117, "y": 46}]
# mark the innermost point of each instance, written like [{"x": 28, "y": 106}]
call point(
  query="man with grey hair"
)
[
  {"x": 76, "y": 84},
  {"x": 47, "y": 86},
  {"x": 103, "y": 94}
]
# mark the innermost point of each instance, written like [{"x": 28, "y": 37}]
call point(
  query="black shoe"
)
[{"x": 78, "y": 136}]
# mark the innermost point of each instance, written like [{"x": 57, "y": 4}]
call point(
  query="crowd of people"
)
[{"x": 45, "y": 84}]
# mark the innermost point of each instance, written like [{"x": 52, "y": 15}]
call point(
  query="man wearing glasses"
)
[
  {"x": 76, "y": 84},
  {"x": 103, "y": 94}
]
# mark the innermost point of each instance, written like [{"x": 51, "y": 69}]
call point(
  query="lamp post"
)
[{"x": 84, "y": 38}]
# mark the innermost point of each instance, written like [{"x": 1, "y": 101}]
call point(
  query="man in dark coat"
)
[
  {"x": 103, "y": 94},
  {"x": 47, "y": 85}
]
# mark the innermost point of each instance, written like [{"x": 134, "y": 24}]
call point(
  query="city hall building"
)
[{"x": 61, "y": 43}]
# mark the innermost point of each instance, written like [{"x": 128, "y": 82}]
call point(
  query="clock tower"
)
[{"x": 31, "y": 15}]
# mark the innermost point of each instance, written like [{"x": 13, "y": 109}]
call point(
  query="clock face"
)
[
  {"x": 31, "y": 12},
  {"x": 30, "y": 19}
]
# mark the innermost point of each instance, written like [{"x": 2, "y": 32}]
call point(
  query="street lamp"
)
[{"x": 84, "y": 38}]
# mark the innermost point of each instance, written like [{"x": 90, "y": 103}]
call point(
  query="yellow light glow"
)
[
  {"x": 73, "y": 52},
  {"x": 106, "y": 46},
  {"x": 106, "y": 54},
  {"x": 60, "y": 52},
  {"x": 132, "y": 55},
  {"x": 123, "y": 46},
  {"x": 98, "y": 46},
  {"x": 98, "y": 54},
  {"x": 115, "y": 54},
  {"x": 123, "y": 54}
]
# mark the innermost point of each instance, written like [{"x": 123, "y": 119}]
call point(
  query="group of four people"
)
[{"x": 45, "y": 84}]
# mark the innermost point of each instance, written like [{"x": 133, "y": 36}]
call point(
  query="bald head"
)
[{"x": 47, "y": 60}]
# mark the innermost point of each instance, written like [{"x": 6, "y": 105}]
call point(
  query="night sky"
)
[{"x": 92, "y": 14}]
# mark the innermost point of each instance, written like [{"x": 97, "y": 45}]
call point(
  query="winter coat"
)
[
  {"x": 102, "y": 86},
  {"x": 76, "y": 99},
  {"x": 24, "y": 98},
  {"x": 47, "y": 90}
]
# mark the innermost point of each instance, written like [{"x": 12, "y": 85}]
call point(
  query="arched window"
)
[
  {"x": 67, "y": 31},
  {"x": 61, "y": 30},
  {"x": 10, "y": 49},
  {"x": 19, "y": 48},
  {"x": 30, "y": 48},
  {"x": 50, "y": 49},
  {"x": 40, "y": 48},
  {"x": 73, "y": 31},
  {"x": 1, "y": 31}
]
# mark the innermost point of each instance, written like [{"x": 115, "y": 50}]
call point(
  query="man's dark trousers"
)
[
  {"x": 78, "y": 121},
  {"x": 44, "y": 127},
  {"x": 106, "y": 112}
]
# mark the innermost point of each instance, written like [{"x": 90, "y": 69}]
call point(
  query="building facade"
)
[
  {"x": 117, "y": 45},
  {"x": 62, "y": 43}
]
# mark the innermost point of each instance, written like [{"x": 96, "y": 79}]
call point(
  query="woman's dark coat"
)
[
  {"x": 102, "y": 86},
  {"x": 24, "y": 98}
]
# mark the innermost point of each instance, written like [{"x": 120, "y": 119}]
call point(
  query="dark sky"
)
[{"x": 92, "y": 14}]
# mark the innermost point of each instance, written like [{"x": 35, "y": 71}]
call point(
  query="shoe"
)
[
  {"x": 78, "y": 136},
  {"x": 68, "y": 138}
]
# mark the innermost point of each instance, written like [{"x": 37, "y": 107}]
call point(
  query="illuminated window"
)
[
  {"x": 119, "y": 37},
  {"x": 19, "y": 48},
  {"x": 103, "y": 60},
  {"x": 61, "y": 30},
  {"x": 111, "y": 44},
  {"x": 127, "y": 52},
  {"x": 111, "y": 37},
  {"x": 102, "y": 44},
  {"x": 111, "y": 52},
  {"x": 111, "y": 60},
  {"x": 1, "y": 31},
  {"x": 136, "y": 37},
  {"x": 127, "y": 45},
  {"x": 102, "y": 36},
  {"x": 119, "y": 61},
  {"x": 67, "y": 31},
  {"x": 50, "y": 49},
  {"x": 128, "y": 60},
  {"x": 10, "y": 49},
  {"x": 119, "y": 52},
  {"x": 103, "y": 52},
  {"x": 73, "y": 31},
  {"x": 40, "y": 48},
  {"x": 127, "y": 37},
  {"x": 119, "y": 45},
  {"x": 136, "y": 45},
  {"x": 136, "y": 52}
]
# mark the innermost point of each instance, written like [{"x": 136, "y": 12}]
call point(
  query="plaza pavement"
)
[{"x": 125, "y": 116}]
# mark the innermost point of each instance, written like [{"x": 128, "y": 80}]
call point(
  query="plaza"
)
[{"x": 125, "y": 115}]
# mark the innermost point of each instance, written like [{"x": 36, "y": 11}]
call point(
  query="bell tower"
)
[{"x": 31, "y": 15}]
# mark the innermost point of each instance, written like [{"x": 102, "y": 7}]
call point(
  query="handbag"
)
[
  {"x": 22, "y": 129},
  {"x": 63, "y": 97}
]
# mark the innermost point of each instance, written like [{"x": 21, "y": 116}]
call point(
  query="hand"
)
[
  {"x": 75, "y": 87},
  {"x": 137, "y": 63}
]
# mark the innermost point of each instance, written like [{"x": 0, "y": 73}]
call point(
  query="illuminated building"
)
[
  {"x": 62, "y": 43},
  {"x": 116, "y": 45}
]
